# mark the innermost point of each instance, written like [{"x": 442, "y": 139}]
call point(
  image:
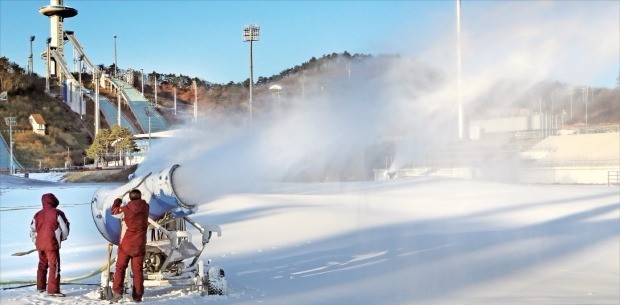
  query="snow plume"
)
[
  {"x": 336, "y": 130},
  {"x": 568, "y": 41},
  {"x": 343, "y": 119},
  {"x": 507, "y": 49}
]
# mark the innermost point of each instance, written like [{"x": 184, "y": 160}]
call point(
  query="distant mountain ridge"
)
[{"x": 68, "y": 137}]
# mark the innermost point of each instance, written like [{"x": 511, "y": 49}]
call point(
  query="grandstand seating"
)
[{"x": 599, "y": 148}]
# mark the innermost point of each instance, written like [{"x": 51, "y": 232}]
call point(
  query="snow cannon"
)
[
  {"x": 171, "y": 258},
  {"x": 157, "y": 190}
]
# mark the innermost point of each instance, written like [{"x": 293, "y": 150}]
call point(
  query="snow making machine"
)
[{"x": 171, "y": 258}]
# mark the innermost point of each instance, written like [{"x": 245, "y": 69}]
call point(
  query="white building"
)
[{"x": 38, "y": 123}]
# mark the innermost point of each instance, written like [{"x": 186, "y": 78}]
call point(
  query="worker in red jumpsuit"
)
[
  {"x": 49, "y": 227},
  {"x": 132, "y": 244}
]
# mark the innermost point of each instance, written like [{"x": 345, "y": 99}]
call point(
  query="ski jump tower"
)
[
  {"x": 57, "y": 13},
  {"x": 56, "y": 65}
]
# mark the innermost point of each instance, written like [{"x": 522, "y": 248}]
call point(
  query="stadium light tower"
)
[
  {"x": 150, "y": 111},
  {"x": 570, "y": 91},
  {"x": 47, "y": 65},
  {"x": 142, "y": 79},
  {"x": 115, "y": 62},
  {"x": 175, "y": 99},
  {"x": 251, "y": 34},
  {"x": 30, "y": 64},
  {"x": 195, "y": 101},
  {"x": 155, "y": 85},
  {"x": 458, "y": 51},
  {"x": 82, "y": 105},
  {"x": 11, "y": 121},
  {"x": 584, "y": 92}
]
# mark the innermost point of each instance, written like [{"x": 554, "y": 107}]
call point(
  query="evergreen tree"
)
[{"x": 109, "y": 143}]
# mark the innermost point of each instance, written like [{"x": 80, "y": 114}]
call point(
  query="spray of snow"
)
[{"x": 342, "y": 118}]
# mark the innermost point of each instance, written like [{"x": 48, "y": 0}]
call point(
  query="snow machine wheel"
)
[
  {"x": 215, "y": 281},
  {"x": 154, "y": 262}
]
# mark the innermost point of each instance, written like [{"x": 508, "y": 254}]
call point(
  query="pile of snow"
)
[
  {"x": 49, "y": 176},
  {"x": 416, "y": 241}
]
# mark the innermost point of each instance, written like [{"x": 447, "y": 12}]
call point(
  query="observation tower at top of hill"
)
[{"x": 57, "y": 13}]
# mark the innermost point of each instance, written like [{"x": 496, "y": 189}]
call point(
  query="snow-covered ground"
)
[{"x": 416, "y": 241}]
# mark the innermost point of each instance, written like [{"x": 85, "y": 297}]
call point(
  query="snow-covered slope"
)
[{"x": 418, "y": 241}]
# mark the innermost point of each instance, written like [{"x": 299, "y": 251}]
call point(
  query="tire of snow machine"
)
[{"x": 214, "y": 282}]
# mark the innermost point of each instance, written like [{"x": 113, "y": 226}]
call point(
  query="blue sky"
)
[{"x": 203, "y": 38}]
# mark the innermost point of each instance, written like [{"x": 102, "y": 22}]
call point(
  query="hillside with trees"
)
[
  {"x": 65, "y": 139},
  {"x": 69, "y": 136}
]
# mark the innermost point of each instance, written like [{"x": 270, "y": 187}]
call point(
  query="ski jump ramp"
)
[
  {"x": 5, "y": 156},
  {"x": 110, "y": 113},
  {"x": 138, "y": 105}
]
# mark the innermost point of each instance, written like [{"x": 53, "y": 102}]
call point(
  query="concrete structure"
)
[
  {"x": 38, "y": 123},
  {"x": 591, "y": 158},
  {"x": 486, "y": 127},
  {"x": 57, "y": 13}
]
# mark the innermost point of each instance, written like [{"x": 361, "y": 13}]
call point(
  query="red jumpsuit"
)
[
  {"x": 132, "y": 244},
  {"x": 49, "y": 227}
]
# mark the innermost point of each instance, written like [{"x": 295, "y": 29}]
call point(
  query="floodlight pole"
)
[
  {"x": 118, "y": 115},
  {"x": 175, "y": 100},
  {"x": 251, "y": 34},
  {"x": 458, "y": 46},
  {"x": 11, "y": 121},
  {"x": 97, "y": 75},
  {"x": 587, "y": 98},
  {"x": 251, "y": 80},
  {"x": 571, "y": 103},
  {"x": 115, "y": 62},
  {"x": 149, "y": 112},
  {"x": 30, "y": 63},
  {"x": 584, "y": 95},
  {"x": 82, "y": 106},
  {"x": 142, "y": 79},
  {"x": 47, "y": 66},
  {"x": 155, "y": 84},
  {"x": 195, "y": 102}
]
